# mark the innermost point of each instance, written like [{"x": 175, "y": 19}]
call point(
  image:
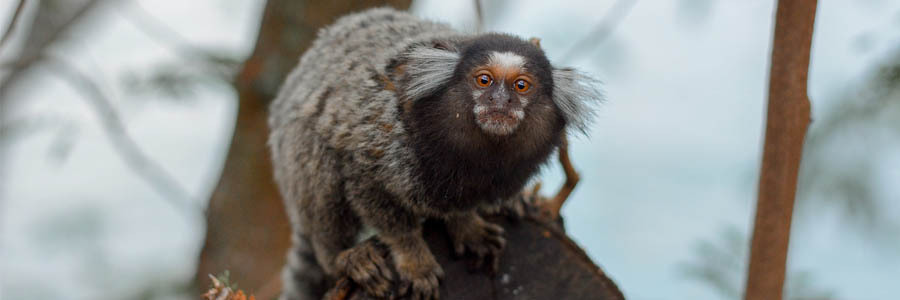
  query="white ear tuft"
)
[
  {"x": 573, "y": 92},
  {"x": 428, "y": 69}
]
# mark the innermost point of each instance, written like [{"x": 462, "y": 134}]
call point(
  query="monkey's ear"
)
[
  {"x": 574, "y": 93},
  {"x": 445, "y": 45},
  {"x": 429, "y": 67}
]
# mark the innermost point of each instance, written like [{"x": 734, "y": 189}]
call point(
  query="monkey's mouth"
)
[{"x": 498, "y": 121}]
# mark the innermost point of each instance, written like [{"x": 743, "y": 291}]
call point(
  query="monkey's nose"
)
[
  {"x": 491, "y": 99},
  {"x": 498, "y": 98}
]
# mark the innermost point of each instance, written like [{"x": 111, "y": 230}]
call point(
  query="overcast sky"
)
[{"x": 671, "y": 159}]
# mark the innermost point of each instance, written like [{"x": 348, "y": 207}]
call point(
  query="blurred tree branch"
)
[
  {"x": 614, "y": 16},
  {"x": 222, "y": 67},
  {"x": 13, "y": 21},
  {"x": 52, "y": 21},
  {"x": 722, "y": 262},
  {"x": 112, "y": 124},
  {"x": 868, "y": 118},
  {"x": 788, "y": 118},
  {"x": 479, "y": 16},
  {"x": 133, "y": 12},
  {"x": 193, "y": 65},
  {"x": 12, "y": 128}
]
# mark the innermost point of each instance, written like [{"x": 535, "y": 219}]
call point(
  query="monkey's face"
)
[
  {"x": 501, "y": 88},
  {"x": 492, "y": 93}
]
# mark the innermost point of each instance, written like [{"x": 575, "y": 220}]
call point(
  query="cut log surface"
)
[{"x": 539, "y": 262}]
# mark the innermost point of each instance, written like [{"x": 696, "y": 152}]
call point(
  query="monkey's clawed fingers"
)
[
  {"x": 421, "y": 280},
  {"x": 516, "y": 207},
  {"x": 481, "y": 238},
  {"x": 365, "y": 265},
  {"x": 423, "y": 288}
]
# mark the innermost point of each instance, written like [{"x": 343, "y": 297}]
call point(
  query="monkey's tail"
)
[{"x": 302, "y": 277}]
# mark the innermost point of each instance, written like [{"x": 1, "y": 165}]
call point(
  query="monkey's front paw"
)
[
  {"x": 515, "y": 208},
  {"x": 420, "y": 277},
  {"x": 479, "y": 237},
  {"x": 365, "y": 264}
]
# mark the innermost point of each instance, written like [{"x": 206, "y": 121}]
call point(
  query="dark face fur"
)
[
  {"x": 481, "y": 138},
  {"x": 501, "y": 85},
  {"x": 500, "y": 96},
  {"x": 505, "y": 75}
]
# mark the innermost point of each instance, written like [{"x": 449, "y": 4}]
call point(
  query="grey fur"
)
[
  {"x": 343, "y": 158},
  {"x": 573, "y": 91},
  {"x": 429, "y": 69}
]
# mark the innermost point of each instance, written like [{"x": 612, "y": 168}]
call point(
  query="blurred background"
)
[{"x": 116, "y": 120}]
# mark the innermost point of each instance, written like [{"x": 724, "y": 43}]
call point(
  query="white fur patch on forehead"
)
[{"x": 506, "y": 60}]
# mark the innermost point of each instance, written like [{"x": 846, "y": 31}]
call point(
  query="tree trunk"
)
[
  {"x": 788, "y": 118},
  {"x": 247, "y": 230}
]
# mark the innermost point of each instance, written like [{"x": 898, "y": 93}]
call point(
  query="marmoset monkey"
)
[{"x": 389, "y": 120}]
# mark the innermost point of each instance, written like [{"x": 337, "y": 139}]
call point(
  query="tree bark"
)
[
  {"x": 787, "y": 122},
  {"x": 247, "y": 229},
  {"x": 539, "y": 262}
]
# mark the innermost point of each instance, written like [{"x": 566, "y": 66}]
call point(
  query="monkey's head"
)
[
  {"x": 494, "y": 87},
  {"x": 505, "y": 75}
]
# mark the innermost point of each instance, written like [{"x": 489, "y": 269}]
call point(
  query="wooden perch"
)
[{"x": 539, "y": 262}]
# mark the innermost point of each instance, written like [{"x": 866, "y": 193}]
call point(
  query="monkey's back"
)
[
  {"x": 343, "y": 64},
  {"x": 336, "y": 116}
]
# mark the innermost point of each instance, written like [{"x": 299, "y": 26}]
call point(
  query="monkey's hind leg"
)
[
  {"x": 302, "y": 276},
  {"x": 322, "y": 221},
  {"x": 333, "y": 236},
  {"x": 418, "y": 272},
  {"x": 333, "y": 230},
  {"x": 324, "y": 231}
]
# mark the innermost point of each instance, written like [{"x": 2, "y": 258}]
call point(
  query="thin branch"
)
[
  {"x": 33, "y": 54},
  {"x": 144, "y": 166},
  {"x": 479, "y": 16},
  {"x": 788, "y": 117},
  {"x": 57, "y": 32},
  {"x": 12, "y": 23},
  {"x": 158, "y": 30},
  {"x": 14, "y": 128},
  {"x": 551, "y": 207},
  {"x": 603, "y": 30}
]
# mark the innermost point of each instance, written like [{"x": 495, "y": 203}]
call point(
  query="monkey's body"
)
[{"x": 362, "y": 136}]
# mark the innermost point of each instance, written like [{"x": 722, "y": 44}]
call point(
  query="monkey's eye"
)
[
  {"x": 522, "y": 86},
  {"x": 483, "y": 80}
]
